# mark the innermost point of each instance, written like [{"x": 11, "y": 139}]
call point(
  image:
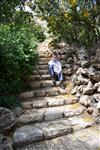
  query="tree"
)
[
  {"x": 73, "y": 20},
  {"x": 19, "y": 36}
]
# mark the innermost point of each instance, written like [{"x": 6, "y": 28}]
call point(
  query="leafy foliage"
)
[
  {"x": 17, "y": 58},
  {"x": 19, "y": 36},
  {"x": 76, "y": 21}
]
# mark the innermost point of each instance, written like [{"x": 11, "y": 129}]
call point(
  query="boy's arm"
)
[{"x": 50, "y": 68}]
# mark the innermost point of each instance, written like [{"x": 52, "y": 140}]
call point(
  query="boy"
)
[{"x": 55, "y": 68}]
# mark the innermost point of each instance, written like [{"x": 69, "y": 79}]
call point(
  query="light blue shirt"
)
[{"x": 56, "y": 66}]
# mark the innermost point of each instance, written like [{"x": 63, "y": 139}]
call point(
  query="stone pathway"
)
[{"x": 53, "y": 119}]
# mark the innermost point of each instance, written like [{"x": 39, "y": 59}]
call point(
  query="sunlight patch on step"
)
[
  {"x": 75, "y": 106},
  {"x": 88, "y": 119},
  {"x": 68, "y": 96}
]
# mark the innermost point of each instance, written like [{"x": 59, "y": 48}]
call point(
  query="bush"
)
[
  {"x": 9, "y": 101},
  {"x": 74, "y": 21},
  {"x": 17, "y": 60}
]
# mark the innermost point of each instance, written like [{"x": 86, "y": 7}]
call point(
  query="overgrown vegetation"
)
[
  {"x": 19, "y": 36},
  {"x": 75, "y": 21}
]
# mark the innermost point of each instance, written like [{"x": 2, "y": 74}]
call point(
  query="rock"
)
[
  {"x": 17, "y": 111},
  {"x": 97, "y": 66},
  {"x": 96, "y": 113},
  {"x": 27, "y": 105},
  {"x": 86, "y": 100},
  {"x": 26, "y": 95},
  {"x": 62, "y": 91},
  {"x": 82, "y": 71},
  {"x": 26, "y": 135},
  {"x": 96, "y": 85},
  {"x": 52, "y": 114},
  {"x": 82, "y": 54},
  {"x": 74, "y": 90},
  {"x": 90, "y": 110},
  {"x": 41, "y": 131},
  {"x": 98, "y": 105},
  {"x": 69, "y": 99},
  {"x": 55, "y": 102},
  {"x": 80, "y": 88},
  {"x": 39, "y": 93},
  {"x": 31, "y": 116},
  {"x": 81, "y": 80},
  {"x": 96, "y": 97},
  {"x": 94, "y": 74},
  {"x": 74, "y": 79},
  {"x": 67, "y": 142},
  {"x": 81, "y": 121},
  {"x": 98, "y": 90},
  {"x": 88, "y": 90},
  {"x": 75, "y": 59},
  {"x": 78, "y": 95},
  {"x": 73, "y": 110},
  {"x": 54, "y": 130},
  {"x": 95, "y": 77},
  {"x": 5, "y": 143},
  {"x": 85, "y": 63},
  {"x": 39, "y": 103},
  {"x": 75, "y": 68},
  {"x": 67, "y": 65},
  {"x": 70, "y": 60},
  {"x": 88, "y": 136},
  {"x": 68, "y": 71},
  {"x": 52, "y": 92},
  {"x": 7, "y": 119}
]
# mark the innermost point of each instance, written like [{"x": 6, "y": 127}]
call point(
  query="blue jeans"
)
[{"x": 56, "y": 76}]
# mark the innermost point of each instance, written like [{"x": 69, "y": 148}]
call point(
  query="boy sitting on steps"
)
[{"x": 55, "y": 69}]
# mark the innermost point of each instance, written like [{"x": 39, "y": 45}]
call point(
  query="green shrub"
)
[
  {"x": 9, "y": 101},
  {"x": 17, "y": 60}
]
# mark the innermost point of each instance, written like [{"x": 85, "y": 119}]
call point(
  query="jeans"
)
[{"x": 55, "y": 76}]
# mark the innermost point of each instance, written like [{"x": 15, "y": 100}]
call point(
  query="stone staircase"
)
[{"x": 49, "y": 112}]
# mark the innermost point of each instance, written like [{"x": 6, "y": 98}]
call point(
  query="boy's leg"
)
[
  {"x": 52, "y": 75},
  {"x": 60, "y": 76}
]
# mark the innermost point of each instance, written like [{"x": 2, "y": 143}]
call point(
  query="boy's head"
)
[{"x": 54, "y": 55}]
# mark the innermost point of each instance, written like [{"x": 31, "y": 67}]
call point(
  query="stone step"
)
[
  {"x": 42, "y": 67},
  {"x": 44, "y": 92},
  {"x": 43, "y": 62},
  {"x": 41, "y": 84},
  {"x": 41, "y": 72},
  {"x": 86, "y": 139},
  {"x": 45, "y": 102},
  {"x": 33, "y": 133},
  {"x": 52, "y": 113},
  {"x": 39, "y": 77},
  {"x": 51, "y": 129},
  {"x": 41, "y": 59}
]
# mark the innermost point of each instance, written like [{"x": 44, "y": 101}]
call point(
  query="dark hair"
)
[{"x": 55, "y": 53}]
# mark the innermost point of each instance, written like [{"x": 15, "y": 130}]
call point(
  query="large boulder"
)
[
  {"x": 94, "y": 74},
  {"x": 96, "y": 85},
  {"x": 81, "y": 80},
  {"x": 85, "y": 63},
  {"x": 87, "y": 100},
  {"x": 89, "y": 89},
  {"x": 96, "y": 97},
  {"x": 82, "y": 71},
  {"x": 26, "y": 135},
  {"x": 7, "y": 119}
]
